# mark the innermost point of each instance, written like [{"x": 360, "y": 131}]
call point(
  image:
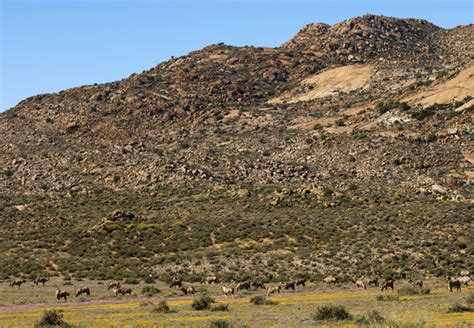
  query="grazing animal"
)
[
  {"x": 373, "y": 281},
  {"x": 228, "y": 291},
  {"x": 114, "y": 284},
  {"x": 210, "y": 280},
  {"x": 188, "y": 290},
  {"x": 42, "y": 280},
  {"x": 415, "y": 283},
  {"x": 243, "y": 285},
  {"x": 360, "y": 284},
  {"x": 289, "y": 285},
  {"x": 17, "y": 282},
  {"x": 464, "y": 280},
  {"x": 176, "y": 282},
  {"x": 258, "y": 284},
  {"x": 454, "y": 284},
  {"x": 387, "y": 283},
  {"x": 61, "y": 294},
  {"x": 301, "y": 282},
  {"x": 273, "y": 290},
  {"x": 83, "y": 290},
  {"x": 330, "y": 280},
  {"x": 464, "y": 273},
  {"x": 123, "y": 291}
]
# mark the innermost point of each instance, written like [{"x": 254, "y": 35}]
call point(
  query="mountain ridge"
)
[{"x": 365, "y": 123}]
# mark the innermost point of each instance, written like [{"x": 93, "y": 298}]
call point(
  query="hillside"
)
[{"x": 346, "y": 150}]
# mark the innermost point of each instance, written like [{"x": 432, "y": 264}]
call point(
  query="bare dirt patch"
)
[
  {"x": 456, "y": 88},
  {"x": 331, "y": 82}
]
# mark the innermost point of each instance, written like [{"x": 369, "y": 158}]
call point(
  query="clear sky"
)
[{"x": 50, "y": 45}]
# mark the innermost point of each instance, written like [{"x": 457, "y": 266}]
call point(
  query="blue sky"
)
[{"x": 47, "y": 46}]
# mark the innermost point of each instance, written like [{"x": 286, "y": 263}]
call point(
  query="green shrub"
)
[
  {"x": 470, "y": 298},
  {"x": 404, "y": 106},
  {"x": 132, "y": 281},
  {"x": 340, "y": 123},
  {"x": 422, "y": 114},
  {"x": 385, "y": 107},
  {"x": 262, "y": 300},
  {"x": 460, "y": 308},
  {"x": 332, "y": 312},
  {"x": 150, "y": 290},
  {"x": 52, "y": 318},
  {"x": 408, "y": 290},
  {"x": 162, "y": 307},
  {"x": 220, "y": 307},
  {"x": 149, "y": 280},
  {"x": 317, "y": 127},
  {"x": 373, "y": 317},
  {"x": 202, "y": 303},
  {"x": 220, "y": 324}
]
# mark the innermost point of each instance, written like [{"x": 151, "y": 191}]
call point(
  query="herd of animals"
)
[{"x": 454, "y": 283}]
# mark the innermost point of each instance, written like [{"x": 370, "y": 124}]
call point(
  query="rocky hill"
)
[{"x": 248, "y": 151}]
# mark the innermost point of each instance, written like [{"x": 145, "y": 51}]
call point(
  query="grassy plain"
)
[{"x": 23, "y": 307}]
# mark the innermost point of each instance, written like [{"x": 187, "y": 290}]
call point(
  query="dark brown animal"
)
[
  {"x": 42, "y": 280},
  {"x": 188, "y": 290},
  {"x": 61, "y": 294},
  {"x": 387, "y": 283},
  {"x": 17, "y": 282},
  {"x": 123, "y": 291},
  {"x": 301, "y": 282},
  {"x": 289, "y": 285},
  {"x": 273, "y": 290},
  {"x": 83, "y": 290},
  {"x": 114, "y": 284},
  {"x": 243, "y": 285},
  {"x": 257, "y": 285},
  {"x": 454, "y": 284}
]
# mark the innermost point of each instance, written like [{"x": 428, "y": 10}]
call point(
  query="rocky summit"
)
[{"x": 347, "y": 149}]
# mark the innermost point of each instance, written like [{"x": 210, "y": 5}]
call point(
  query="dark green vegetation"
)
[
  {"x": 150, "y": 291},
  {"x": 410, "y": 290},
  {"x": 372, "y": 318},
  {"x": 470, "y": 298},
  {"x": 162, "y": 307},
  {"x": 202, "y": 303},
  {"x": 460, "y": 308},
  {"x": 211, "y": 231},
  {"x": 52, "y": 318},
  {"x": 262, "y": 300},
  {"x": 220, "y": 324},
  {"x": 220, "y": 307},
  {"x": 332, "y": 312}
]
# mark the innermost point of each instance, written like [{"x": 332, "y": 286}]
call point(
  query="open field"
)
[{"x": 23, "y": 307}]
